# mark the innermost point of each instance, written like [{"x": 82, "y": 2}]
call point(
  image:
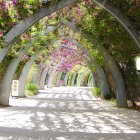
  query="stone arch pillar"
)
[
  {"x": 91, "y": 82},
  {"x": 73, "y": 79},
  {"x": 101, "y": 75},
  {"x": 53, "y": 73},
  {"x": 89, "y": 79},
  {"x": 25, "y": 71},
  {"x": 66, "y": 78},
  {"x": 99, "y": 72},
  {"x": 124, "y": 99},
  {"x": 7, "y": 79},
  {"x": 117, "y": 76},
  {"x": 59, "y": 78},
  {"x": 44, "y": 74},
  {"x": 24, "y": 74},
  {"x": 23, "y": 25},
  {"x": 80, "y": 78},
  {"x": 46, "y": 32}
]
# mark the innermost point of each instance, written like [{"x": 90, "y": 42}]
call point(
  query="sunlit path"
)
[{"x": 67, "y": 113}]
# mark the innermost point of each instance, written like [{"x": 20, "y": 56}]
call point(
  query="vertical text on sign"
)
[{"x": 15, "y": 87}]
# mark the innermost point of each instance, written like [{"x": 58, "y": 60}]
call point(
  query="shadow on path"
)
[{"x": 77, "y": 115}]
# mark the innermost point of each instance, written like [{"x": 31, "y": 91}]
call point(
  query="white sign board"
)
[
  {"x": 138, "y": 63},
  {"x": 15, "y": 87},
  {"x": 45, "y": 87}
]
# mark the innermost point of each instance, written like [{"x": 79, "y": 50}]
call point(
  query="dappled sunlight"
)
[
  {"x": 69, "y": 70},
  {"x": 66, "y": 114}
]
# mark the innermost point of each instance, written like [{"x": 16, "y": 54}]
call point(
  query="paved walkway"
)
[{"x": 67, "y": 114}]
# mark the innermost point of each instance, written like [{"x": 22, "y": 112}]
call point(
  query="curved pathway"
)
[{"x": 67, "y": 113}]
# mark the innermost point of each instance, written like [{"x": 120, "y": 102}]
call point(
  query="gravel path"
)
[{"x": 67, "y": 113}]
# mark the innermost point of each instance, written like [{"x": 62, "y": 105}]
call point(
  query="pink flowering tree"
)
[{"x": 71, "y": 54}]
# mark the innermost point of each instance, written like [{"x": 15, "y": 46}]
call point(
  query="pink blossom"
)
[
  {"x": 44, "y": 66},
  {"x": 9, "y": 4},
  {"x": 1, "y": 33},
  {"x": 14, "y": 23},
  {"x": 79, "y": 11},
  {"x": 25, "y": 36},
  {"x": 26, "y": 57},
  {"x": 13, "y": 2},
  {"x": 16, "y": 16}
]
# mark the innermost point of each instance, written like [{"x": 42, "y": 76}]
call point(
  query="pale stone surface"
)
[{"x": 67, "y": 113}]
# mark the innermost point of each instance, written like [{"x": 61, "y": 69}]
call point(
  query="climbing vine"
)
[{"x": 92, "y": 19}]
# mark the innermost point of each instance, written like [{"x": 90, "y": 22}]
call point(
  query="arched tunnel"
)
[{"x": 92, "y": 44}]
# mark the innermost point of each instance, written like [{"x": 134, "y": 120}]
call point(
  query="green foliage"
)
[
  {"x": 96, "y": 91},
  {"x": 73, "y": 71},
  {"x": 132, "y": 79},
  {"x": 3, "y": 65},
  {"x": 102, "y": 26},
  {"x": 85, "y": 78},
  {"x": 19, "y": 70},
  {"x": 54, "y": 82},
  {"x": 70, "y": 78},
  {"x": 95, "y": 21},
  {"x": 63, "y": 75},
  {"x": 34, "y": 70},
  {"x": 31, "y": 89},
  {"x": 113, "y": 100}
]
